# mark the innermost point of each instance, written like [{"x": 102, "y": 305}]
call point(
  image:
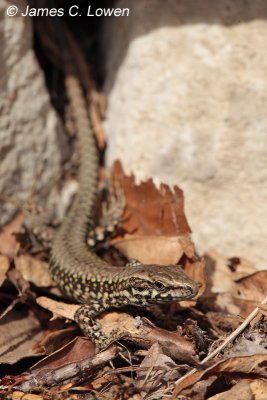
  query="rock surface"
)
[
  {"x": 187, "y": 91},
  {"x": 30, "y": 132}
]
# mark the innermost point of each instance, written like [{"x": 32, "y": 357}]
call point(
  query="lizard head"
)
[{"x": 156, "y": 284}]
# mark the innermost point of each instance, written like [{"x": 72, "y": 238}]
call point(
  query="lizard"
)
[{"x": 78, "y": 271}]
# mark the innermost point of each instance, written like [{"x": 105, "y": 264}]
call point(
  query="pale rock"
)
[
  {"x": 187, "y": 104},
  {"x": 30, "y": 131}
]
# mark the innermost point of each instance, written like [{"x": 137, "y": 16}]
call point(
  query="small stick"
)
[{"x": 230, "y": 338}]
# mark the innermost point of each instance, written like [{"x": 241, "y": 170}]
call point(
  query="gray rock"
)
[
  {"x": 30, "y": 131},
  {"x": 187, "y": 91}
]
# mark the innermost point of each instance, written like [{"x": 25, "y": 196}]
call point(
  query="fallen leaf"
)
[
  {"x": 246, "y": 365},
  {"x": 219, "y": 276},
  {"x": 75, "y": 351},
  {"x": 238, "y": 296},
  {"x": 145, "y": 248},
  {"x": 241, "y": 390},
  {"x": 26, "y": 396},
  {"x": 245, "y": 389},
  {"x": 154, "y": 222},
  {"x": 8, "y": 243},
  {"x": 240, "y": 267},
  {"x": 19, "y": 332},
  {"x": 245, "y": 347},
  {"x": 150, "y": 210},
  {"x": 156, "y": 373},
  {"x": 56, "y": 339},
  {"x": 259, "y": 389},
  {"x": 34, "y": 270},
  {"x": 223, "y": 323},
  {"x": 253, "y": 287},
  {"x": 58, "y": 308},
  {"x": 4, "y": 267}
]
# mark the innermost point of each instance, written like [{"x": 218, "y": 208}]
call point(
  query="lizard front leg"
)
[{"x": 85, "y": 318}]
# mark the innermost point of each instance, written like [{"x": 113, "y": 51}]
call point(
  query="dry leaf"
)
[
  {"x": 220, "y": 277},
  {"x": 240, "y": 267},
  {"x": 246, "y": 365},
  {"x": 56, "y": 339},
  {"x": 259, "y": 389},
  {"x": 24, "y": 396},
  {"x": 156, "y": 372},
  {"x": 75, "y": 351},
  {"x": 253, "y": 287},
  {"x": 4, "y": 267},
  {"x": 245, "y": 347},
  {"x": 34, "y": 270},
  {"x": 19, "y": 332},
  {"x": 151, "y": 211},
  {"x": 154, "y": 220},
  {"x": 145, "y": 248},
  {"x": 8, "y": 243},
  {"x": 58, "y": 308},
  {"x": 246, "y": 389},
  {"x": 240, "y": 391}
]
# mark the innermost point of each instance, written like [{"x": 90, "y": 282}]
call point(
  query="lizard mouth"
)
[{"x": 176, "y": 294}]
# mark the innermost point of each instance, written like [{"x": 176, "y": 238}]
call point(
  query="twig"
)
[
  {"x": 71, "y": 371},
  {"x": 229, "y": 339}
]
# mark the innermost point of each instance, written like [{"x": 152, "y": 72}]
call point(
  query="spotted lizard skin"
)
[{"x": 79, "y": 272}]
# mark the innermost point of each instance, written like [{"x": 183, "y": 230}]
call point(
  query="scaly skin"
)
[{"x": 84, "y": 276}]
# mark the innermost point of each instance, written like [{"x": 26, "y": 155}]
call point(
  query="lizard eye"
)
[{"x": 159, "y": 286}]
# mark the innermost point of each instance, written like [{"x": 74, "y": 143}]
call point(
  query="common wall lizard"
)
[{"x": 80, "y": 273}]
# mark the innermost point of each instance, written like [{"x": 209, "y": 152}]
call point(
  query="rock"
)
[
  {"x": 30, "y": 131},
  {"x": 187, "y": 92}
]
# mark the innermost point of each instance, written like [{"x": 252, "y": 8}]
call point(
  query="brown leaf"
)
[
  {"x": 34, "y": 270},
  {"x": 253, "y": 287},
  {"x": 156, "y": 373},
  {"x": 263, "y": 308},
  {"x": 245, "y": 365},
  {"x": 144, "y": 334},
  {"x": 144, "y": 248},
  {"x": 75, "y": 351},
  {"x": 223, "y": 323},
  {"x": 56, "y": 339},
  {"x": 4, "y": 267},
  {"x": 196, "y": 270},
  {"x": 19, "y": 331},
  {"x": 220, "y": 277},
  {"x": 154, "y": 220},
  {"x": 8, "y": 243},
  {"x": 245, "y": 347},
  {"x": 259, "y": 389},
  {"x": 20, "y": 283},
  {"x": 149, "y": 210},
  {"x": 58, "y": 308},
  {"x": 235, "y": 295},
  {"x": 241, "y": 390},
  {"x": 26, "y": 396},
  {"x": 245, "y": 389},
  {"x": 240, "y": 267}
]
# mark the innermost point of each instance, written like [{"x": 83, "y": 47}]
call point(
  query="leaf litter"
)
[
  {"x": 211, "y": 347},
  {"x": 173, "y": 342}
]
